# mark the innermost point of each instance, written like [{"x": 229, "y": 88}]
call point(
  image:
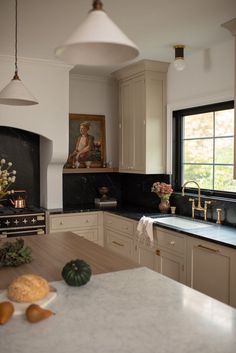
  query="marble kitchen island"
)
[{"x": 134, "y": 310}]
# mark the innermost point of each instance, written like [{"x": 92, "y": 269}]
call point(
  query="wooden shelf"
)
[{"x": 89, "y": 170}]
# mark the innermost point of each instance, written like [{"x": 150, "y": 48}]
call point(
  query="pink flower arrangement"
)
[{"x": 163, "y": 190}]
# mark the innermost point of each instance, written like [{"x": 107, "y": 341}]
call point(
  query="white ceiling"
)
[{"x": 154, "y": 25}]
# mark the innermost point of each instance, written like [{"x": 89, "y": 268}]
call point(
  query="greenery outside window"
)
[{"x": 203, "y": 140}]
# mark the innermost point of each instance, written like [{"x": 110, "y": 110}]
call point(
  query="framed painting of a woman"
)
[{"x": 86, "y": 141}]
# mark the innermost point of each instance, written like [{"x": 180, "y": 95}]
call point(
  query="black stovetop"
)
[{"x": 5, "y": 211}]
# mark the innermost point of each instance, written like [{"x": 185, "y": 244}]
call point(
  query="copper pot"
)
[{"x": 19, "y": 201}]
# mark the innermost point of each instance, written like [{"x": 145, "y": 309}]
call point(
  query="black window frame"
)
[{"x": 177, "y": 148}]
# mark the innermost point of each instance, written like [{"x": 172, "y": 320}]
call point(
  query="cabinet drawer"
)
[
  {"x": 119, "y": 243},
  {"x": 170, "y": 241},
  {"x": 73, "y": 221},
  {"x": 120, "y": 224}
]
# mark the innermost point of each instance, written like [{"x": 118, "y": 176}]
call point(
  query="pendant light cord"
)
[{"x": 16, "y": 77}]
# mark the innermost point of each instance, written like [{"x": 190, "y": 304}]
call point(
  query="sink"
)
[{"x": 181, "y": 222}]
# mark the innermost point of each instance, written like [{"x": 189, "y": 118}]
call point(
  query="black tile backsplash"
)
[
  {"x": 134, "y": 190},
  {"x": 80, "y": 190}
]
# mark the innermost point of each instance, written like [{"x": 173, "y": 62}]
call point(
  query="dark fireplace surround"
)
[{"x": 22, "y": 148}]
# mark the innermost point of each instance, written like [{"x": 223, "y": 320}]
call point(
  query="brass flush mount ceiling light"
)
[
  {"x": 97, "y": 41},
  {"x": 15, "y": 93},
  {"x": 179, "y": 62}
]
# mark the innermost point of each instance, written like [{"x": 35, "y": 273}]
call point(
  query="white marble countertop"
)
[{"x": 131, "y": 311}]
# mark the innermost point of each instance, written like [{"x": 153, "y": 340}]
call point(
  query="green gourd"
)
[{"x": 76, "y": 273}]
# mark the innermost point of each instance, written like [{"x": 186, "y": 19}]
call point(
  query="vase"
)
[{"x": 164, "y": 206}]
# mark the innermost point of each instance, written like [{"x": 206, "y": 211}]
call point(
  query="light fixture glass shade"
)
[
  {"x": 179, "y": 64},
  {"x": 15, "y": 93},
  {"x": 97, "y": 41}
]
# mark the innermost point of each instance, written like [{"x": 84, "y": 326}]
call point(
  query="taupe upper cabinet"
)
[
  {"x": 231, "y": 26},
  {"x": 142, "y": 117}
]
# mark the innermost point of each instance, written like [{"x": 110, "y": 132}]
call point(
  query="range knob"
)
[{"x": 7, "y": 222}]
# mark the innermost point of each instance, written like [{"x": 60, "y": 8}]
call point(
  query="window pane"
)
[
  {"x": 198, "y": 151},
  {"x": 199, "y": 125},
  {"x": 224, "y": 150},
  {"x": 224, "y": 178},
  {"x": 202, "y": 174},
  {"x": 224, "y": 122}
]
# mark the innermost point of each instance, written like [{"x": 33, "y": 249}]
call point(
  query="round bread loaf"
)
[{"x": 28, "y": 288}]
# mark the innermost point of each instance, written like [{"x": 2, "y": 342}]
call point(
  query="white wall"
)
[
  {"x": 208, "y": 78},
  {"x": 49, "y": 83},
  {"x": 99, "y": 96}
]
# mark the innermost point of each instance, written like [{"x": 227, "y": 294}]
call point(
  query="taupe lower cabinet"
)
[
  {"x": 171, "y": 254},
  {"x": 145, "y": 256},
  {"x": 203, "y": 265},
  {"x": 211, "y": 269},
  {"x": 119, "y": 234},
  {"x": 88, "y": 225}
]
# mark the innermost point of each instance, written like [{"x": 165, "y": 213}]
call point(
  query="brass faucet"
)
[{"x": 199, "y": 206}]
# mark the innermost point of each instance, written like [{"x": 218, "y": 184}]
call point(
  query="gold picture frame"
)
[{"x": 87, "y": 142}]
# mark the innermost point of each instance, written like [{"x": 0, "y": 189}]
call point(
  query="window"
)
[{"x": 203, "y": 147}]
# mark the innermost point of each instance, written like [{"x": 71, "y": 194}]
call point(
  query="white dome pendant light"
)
[
  {"x": 179, "y": 62},
  {"x": 97, "y": 41},
  {"x": 15, "y": 93}
]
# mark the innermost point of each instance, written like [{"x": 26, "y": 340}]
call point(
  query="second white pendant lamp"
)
[{"x": 97, "y": 41}]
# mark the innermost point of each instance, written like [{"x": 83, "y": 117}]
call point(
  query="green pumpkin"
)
[{"x": 76, "y": 273}]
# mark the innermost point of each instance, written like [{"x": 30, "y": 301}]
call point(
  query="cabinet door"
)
[
  {"x": 139, "y": 125},
  {"x": 171, "y": 265},
  {"x": 209, "y": 269},
  {"x": 126, "y": 129},
  {"x": 171, "y": 254},
  {"x": 145, "y": 256},
  {"x": 132, "y": 125},
  {"x": 91, "y": 234}
]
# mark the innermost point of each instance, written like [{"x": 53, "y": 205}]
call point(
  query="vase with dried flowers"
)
[
  {"x": 7, "y": 178},
  {"x": 164, "y": 191}
]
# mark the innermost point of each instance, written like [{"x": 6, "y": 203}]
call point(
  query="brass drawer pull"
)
[
  {"x": 172, "y": 242},
  {"x": 116, "y": 243},
  {"x": 158, "y": 253},
  {"x": 209, "y": 249}
]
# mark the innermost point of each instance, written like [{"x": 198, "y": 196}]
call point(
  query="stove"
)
[{"x": 22, "y": 221}]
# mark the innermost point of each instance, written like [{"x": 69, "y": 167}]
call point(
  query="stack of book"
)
[{"x": 105, "y": 203}]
